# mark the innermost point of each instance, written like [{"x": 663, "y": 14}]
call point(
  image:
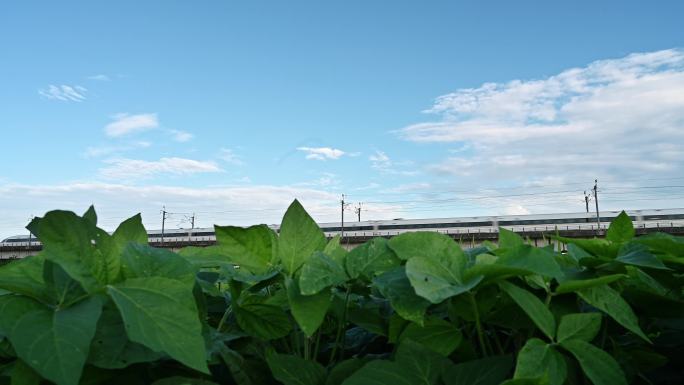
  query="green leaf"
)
[
  {"x": 638, "y": 255},
  {"x": 485, "y": 371},
  {"x": 343, "y": 370},
  {"x": 381, "y": 372},
  {"x": 425, "y": 364},
  {"x": 370, "y": 259},
  {"x": 621, "y": 229},
  {"x": 424, "y": 244},
  {"x": 111, "y": 248},
  {"x": 540, "y": 361},
  {"x": 300, "y": 236},
  {"x": 177, "y": 380},
  {"x": 320, "y": 272},
  {"x": 601, "y": 248},
  {"x": 664, "y": 243},
  {"x": 583, "y": 326},
  {"x": 534, "y": 308},
  {"x": 263, "y": 321},
  {"x": 63, "y": 289},
  {"x": 90, "y": 215},
  {"x": 531, "y": 259},
  {"x": 599, "y": 366},
  {"x": 130, "y": 230},
  {"x": 161, "y": 314},
  {"x": 25, "y": 276},
  {"x": 609, "y": 301},
  {"x": 55, "y": 343},
  {"x": 436, "y": 334},
  {"x": 580, "y": 284},
  {"x": 440, "y": 276},
  {"x": 335, "y": 251},
  {"x": 12, "y": 308},
  {"x": 22, "y": 374},
  {"x": 293, "y": 370},
  {"x": 250, "y": 247},
  {"x": 509, "y": 239},
  {"x": 308, "y": 310},
  {"x": 395, "y": 286},
  {"x": 70, "y": 241},
  {"x": 141, "y": 261},
  {"x": 111, "y": 348}
]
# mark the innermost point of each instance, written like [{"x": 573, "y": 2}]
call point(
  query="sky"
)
[{"x": 412, "y": 109}]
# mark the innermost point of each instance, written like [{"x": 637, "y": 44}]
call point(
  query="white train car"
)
[{"x": 653, "y": 218}]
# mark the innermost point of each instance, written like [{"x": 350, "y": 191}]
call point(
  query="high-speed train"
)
[{"x": 651, "y": 218}]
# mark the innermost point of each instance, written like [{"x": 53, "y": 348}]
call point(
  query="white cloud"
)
[
  {"x": 181, "y": 136},
  {"x": 129, "y": 169},
  {"x": 382, "y": 163},
  {"x": 125, "y": 124},
  {"x": 100, "y": 151},
  {"x": 611, "y": 119},
  {"x": 64, "y": 93},
  {"x": 229, "y": 156},
  {"x": 321, "y": 153},
  {"x": 100, "y": 77}
]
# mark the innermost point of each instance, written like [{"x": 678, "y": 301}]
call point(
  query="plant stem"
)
[
  {"x": 340, "y": 326},
  {"x": 478, "y": 325},
  {"x": 317, "y": 345},
  {"x": 307, "y": 352},
  {"x": 229, "y": 310}
]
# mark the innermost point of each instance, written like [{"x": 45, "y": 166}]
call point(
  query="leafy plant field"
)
[{"x": 261, "y": 308}]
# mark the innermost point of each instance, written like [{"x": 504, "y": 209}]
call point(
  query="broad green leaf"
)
[
  {"x": 485, "y": 371},
  {"x": 535, "y": 260},
  {"x": 90, "y": 215},
  {"x": 425, "y": 364},
  {"x": 63, "y": 289},
  {"x": 370, "y": 259},
  {"x": 308, "y": 310},
  {"x": 509, "y": 239},
  {"x": 161, "y": 314},
  {"x": 343, "y": 370},
  {"x": 335, "y": 251},
  {"x": 436, "y": 334},
  {"x": 599, "y": 366},
  {"x": 70, "y": 241},
  {"x": 609, "y": 301},
  {"x": 601, "y": 248},
  {"x": 141, "y": 261},
  {"x": 664, "y": 243},
  {"x": 111, "y": 247},
  {"x": 177, "y": 380},
  {"x": 300, "y": 236},
  {"x": 535, "y": 308},
  {"x": 621, "y": 229},
  {"x": 580, "y": 284},
  {"x": 263, "y": 321},
  {"x": 249, "y": 247},
  {"x": 320, "y": 272},
  {"x": 424, "y": 244},
  {"x": 111, "y": 348},
  {"x": 538, "y": 360},
  {"x": 382, "y": 372},
  {"x": 368, "y": 317},
  {"x": 237, "y": 273},
  {"x": 638, "y": 255},
  {"x": 235, "y": 363},
  {"x": 22, "y": 374},
  {"x": 25, "y": 276},
  {"x": 577, "y": 253},
  {"x": 583, "y": 326},
  {"x": 12, "y": 308},
  {"x": 59, "y": 349},
  {"x": 395, "y": 286},
  {"x": 294, "y": 370},
  {"x": 440, "y": 276},
  {"x": 130, "y": 230}
]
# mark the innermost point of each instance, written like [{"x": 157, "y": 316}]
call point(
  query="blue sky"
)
[{"x": 417, "y": 109}]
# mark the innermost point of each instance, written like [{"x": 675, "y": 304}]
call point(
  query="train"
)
[{"x": 456, "y": 225}]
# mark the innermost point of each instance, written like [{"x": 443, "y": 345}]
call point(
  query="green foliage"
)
[{"x": 95, "y": 308}]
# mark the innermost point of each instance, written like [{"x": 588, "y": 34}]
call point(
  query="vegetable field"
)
[{"x": 296, "y": 309}]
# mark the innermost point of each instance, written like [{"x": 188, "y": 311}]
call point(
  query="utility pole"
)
[
  {"x": 163, "y": 223},
  {"x": 598, "y": 218},
  {"x": 342, "y": 212},
  {"x": 192, "y": 221},
  {"x": 586, "y": 200},
  {"x": 357, "y": 210}
]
